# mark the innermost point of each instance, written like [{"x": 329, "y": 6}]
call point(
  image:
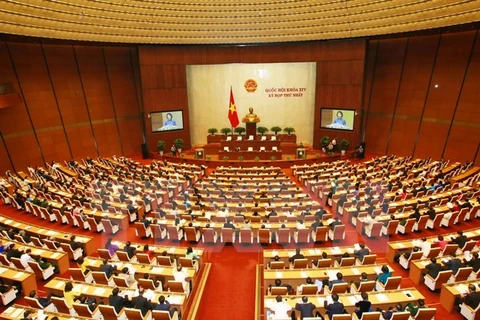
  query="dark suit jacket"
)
[
  {"x": 306, "y": 309},
  {"x": 162, "y": 306},
  {"x": 117, "y": 302},
  {"x": 334, "y": 308},
  {"x": 108, "y": 269},
  {"x": 296, "y": 256},
  {"x": 434, "y": 269},
  {"x": 141, "y": 303},
  {"x": 472, "y": 300},
  {"x": 130, "y": 251},
  {"x": 475, "y": 264},
  {"x": 332, "y": 282},
  {"x": 361, "y": 253},
  {"x": 454, "y": 265}
]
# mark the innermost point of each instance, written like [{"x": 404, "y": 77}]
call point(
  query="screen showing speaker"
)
[
  {"x": 167, "y": 120},
  {"x": 338, "y": 119}
]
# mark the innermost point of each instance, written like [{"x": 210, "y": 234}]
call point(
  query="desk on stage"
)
[{"x": 250, "y": 155}]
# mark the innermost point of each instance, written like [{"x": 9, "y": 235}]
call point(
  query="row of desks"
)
[
  {"x": 381, "y": 300},
  {"x": 89, "y": 245},
  {"x": 396, "y": 247}
]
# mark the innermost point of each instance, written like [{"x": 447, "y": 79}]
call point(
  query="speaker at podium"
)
[
  {"x": 200, "y": 153},
  {"x": 301, "y": 153}
]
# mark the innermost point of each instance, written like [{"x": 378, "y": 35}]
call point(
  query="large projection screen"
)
[{"x": 284, "y": 96}]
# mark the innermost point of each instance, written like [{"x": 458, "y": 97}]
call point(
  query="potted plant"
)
[
  {"x": 161, "y": 146},
  {"x": 288, "y": 130},
  {"x": 289, "y": 158},
  {"x": 225, "y": 158},
  {"x": 273, "y": 158},
  {"x": 178, "y": 144},
  {"x": 241, "y": 158},
  {"x": 324, "y": 142},
  {"x": 212, "y": 131},
  {"x": 276, "y": 129},
  {"x": 262, "y": 130},
  {"x": 239, "y": 130},
  {"x": 344, "y": 145},
  {"x": 209, "y": 157},
  {"x": 256, "y": 158},
  {"x": 225, "y": 131}
]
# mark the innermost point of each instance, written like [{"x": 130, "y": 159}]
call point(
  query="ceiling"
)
[{"x": 227, "y": 21}]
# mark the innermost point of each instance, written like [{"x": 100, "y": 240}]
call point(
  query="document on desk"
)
[
  {"x": 355, "y": 271},
  {"x": 59, "y": 285},
  {"x": 463, "y": 288},
  {"x": 303, "y": 274},
  {"x": 157, "y": 270},
  {"x": 18, "y": 275},
  {"x": 175, "y": 299},
  {"x": 99, "y": 291},
  {"x": 2, "y": 270},
  {"x": 382, "y": 297},
  {"x": 55, "y": 255},
  {"x": 400, "y": 245},
  {"x": 353, "y": 299},
  {"x": 279, "y": 275},
  {"x": 332, "y": 274},
  {"x": 336, "y": 250},
  {"x": 320, "y": 301},
  {"x": 329, "y": 299}
]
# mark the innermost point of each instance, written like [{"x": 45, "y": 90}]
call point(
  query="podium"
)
[
  {"x": 251, "y": 128},
  {"x": 200, "y": 154},
  {"x": 301, "y": 153}
]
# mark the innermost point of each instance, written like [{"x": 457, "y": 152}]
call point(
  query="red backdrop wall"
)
[{"x": 339, "y": 78}]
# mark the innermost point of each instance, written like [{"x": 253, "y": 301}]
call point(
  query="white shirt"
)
[
  {"x": 280, "y": 310},
  {"x": 426, "y": 246},
  {"x": 181, "y": 276},
  {"x": 24, "y": 258}
]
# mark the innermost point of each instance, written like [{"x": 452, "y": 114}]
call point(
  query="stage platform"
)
[{"x": 286, "y": 161}]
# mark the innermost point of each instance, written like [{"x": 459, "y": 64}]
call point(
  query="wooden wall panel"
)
[
  {"x": 415, "y": 79},
  {"x": 429, "y": 121},
  {"x": 130, "y": 131},
  {"x": 464, "y": 139},
  {"x": 4, "y": 161},
  {"x": 106, "y": 135},
  {"x": 121, "y": 78},
  {"x": 67, "y": 88},
  {"x": 24, "y": 151},
  {"x": 98, "y": 95},
  {"x": 387, "y": 74},
  {"x": 449, "y": 72},
  {"x": 82, "y": 142}
]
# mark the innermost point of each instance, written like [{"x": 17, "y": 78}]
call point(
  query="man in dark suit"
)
[
  {"x": 454, "y": 263},
  {"x": 116, "y": 301},
  {"x": 229, "y": 224},
  {"x": 362, "y": 252},
  {"x": 433, "y": 268},
  {"x": 306, "y": 309},
  {"x": 334, "y": 308},
  {"x": 474, "y": 262},
  {"x": 129, "y": 249},
  {"x": 297, "y": 255},
  {"x": 316, "y": 224},
  {"x": 338, "y": 280},
  {"x": 472, "y": 298},
  {"x": 336, "y": 222},
  {"x": 107, "y": 268},
  {"x": 74, "y": 244},
  {"x": 460, "y": 240},
  {"x": 141, "y": 303},
  {"x": 431, "y": 213},
  {"x": 164, "y": 305}
]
